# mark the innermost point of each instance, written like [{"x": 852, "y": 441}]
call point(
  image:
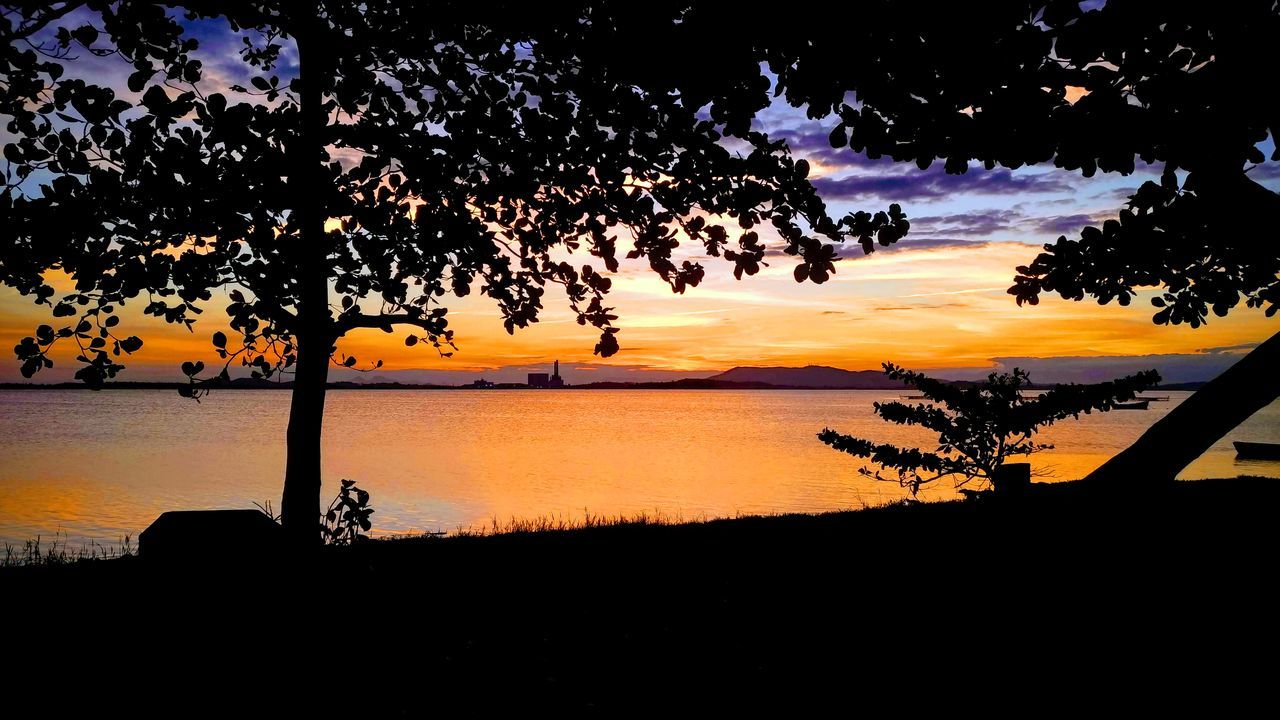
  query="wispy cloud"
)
[
  {"x": 978, "y": 222},
  {"x": 922, "y": 306},
  {"x": 913, "y": 243},
  {"x": 935, "y": 183},
  {"x": 1064, "y": 224},
  {"x": 1266, "y": 171},
  {"x": 1229, "y": 349}
]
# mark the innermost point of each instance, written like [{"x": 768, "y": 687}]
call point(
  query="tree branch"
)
[
  {"x": 351, "y": 321},
  {"x": 26, "y": 30}
]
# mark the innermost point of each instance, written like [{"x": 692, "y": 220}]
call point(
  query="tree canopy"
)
[
  {"x": 374, "y": 159},
  {"x": 1087, "y": 87},
  {"x": 458, "y": 146}
]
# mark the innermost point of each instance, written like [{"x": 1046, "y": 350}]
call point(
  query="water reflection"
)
[{"x": 99, "y": 465}]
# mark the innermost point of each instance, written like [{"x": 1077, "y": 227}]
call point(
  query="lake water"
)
[{"x": 98, "y": 466}]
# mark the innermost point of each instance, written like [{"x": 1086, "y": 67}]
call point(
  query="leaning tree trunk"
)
[
  {"x": 1194, "y": 426},
  {"x": 314, "y": 336}
]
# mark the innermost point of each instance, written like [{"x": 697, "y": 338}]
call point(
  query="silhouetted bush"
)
[
  {"x": 980, "y": 426},
  {"x": 348, "y": 516}
]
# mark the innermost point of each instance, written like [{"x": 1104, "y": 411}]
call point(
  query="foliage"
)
[
  {"x": 1088, "y": 87},
  {"x": 364, "y": 161},
  {"x": 347, "y": 517},
  {"x": 450, "y": 147},
  {"x": 1169, "y": 237},
  {"x": 1118, "y": 87},
  {"x": 980, "y": 426}
]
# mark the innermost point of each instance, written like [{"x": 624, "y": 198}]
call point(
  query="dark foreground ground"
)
[{"x": 1068, "y": 601}]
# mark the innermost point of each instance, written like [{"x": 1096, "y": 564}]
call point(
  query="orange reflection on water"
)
[
  {"x": 522, "y": 453},
  {"x": 102, "y": 465}
]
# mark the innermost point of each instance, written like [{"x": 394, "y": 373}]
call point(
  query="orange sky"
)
[{"x": 939, "y": 307}]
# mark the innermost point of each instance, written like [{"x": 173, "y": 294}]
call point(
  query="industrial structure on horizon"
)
[{"x": 541, "y": 380}]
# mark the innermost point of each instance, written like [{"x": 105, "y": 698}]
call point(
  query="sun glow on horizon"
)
[{"x": 935, "y": 307}]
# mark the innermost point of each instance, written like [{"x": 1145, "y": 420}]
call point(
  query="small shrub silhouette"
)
[
  {"x": 980, "y": 426},
  {"x": 347, "y": 518}
]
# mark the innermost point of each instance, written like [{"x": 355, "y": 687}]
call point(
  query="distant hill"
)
[
  {"x": 682, "y": 384},
  {"x": 810, "y": 376}
]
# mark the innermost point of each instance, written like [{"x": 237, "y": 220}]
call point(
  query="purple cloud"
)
[
  {"x": 852, "y": 251},
  {"x": 1063, "y": 224},
  {"x": 812, "y": 143},
  {"x": 979, "y": 222},
  {"x": 1265, "y": 171},
  {"x": 935, "y": 183},
  {"x": 910, "y": 243}
]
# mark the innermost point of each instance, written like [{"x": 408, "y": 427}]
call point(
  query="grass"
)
[
  {"x": 60, "y": 552},
  {"x": 562, "y": 523},
  {"x": 1072, "y": 597}
]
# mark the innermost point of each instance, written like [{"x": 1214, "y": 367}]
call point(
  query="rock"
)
[{"x": 210, "y": 535}]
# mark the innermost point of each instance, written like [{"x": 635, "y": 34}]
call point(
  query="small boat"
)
[
  {"x": 1161, "y": 398},
  {"x": 1140, "y": 405},
  {"x": 912, "y": 397},
  {"x": 1257, "y": 450}
]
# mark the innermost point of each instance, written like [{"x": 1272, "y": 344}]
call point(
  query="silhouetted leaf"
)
[{"x": 138, "y": 80}]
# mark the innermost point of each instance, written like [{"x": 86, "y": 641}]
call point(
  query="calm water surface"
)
[{"x": 97, "y": 466}]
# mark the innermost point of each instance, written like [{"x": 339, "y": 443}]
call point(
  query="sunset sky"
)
[{"x": 937, "y": 300}]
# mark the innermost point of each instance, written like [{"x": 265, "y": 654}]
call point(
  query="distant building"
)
[
  {"x": 481, "y": 383},
  {"x": 542, "y": 380}
]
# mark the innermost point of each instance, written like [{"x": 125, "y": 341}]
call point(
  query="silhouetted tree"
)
[
  {"x": 448, "y": 145},
  {"x": 980, "y": 426},
  {"x": 1089, "y": 87}
]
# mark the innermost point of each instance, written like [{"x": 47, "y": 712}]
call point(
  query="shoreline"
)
[
  {"x": 1052, "y": 497},
  {"x": 1071, "y": 587}
]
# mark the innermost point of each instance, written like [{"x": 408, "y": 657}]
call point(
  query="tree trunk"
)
[
  {"x": 300, "y": 505},
  {"x": 1193, "y": 427},
  {"x": 314, "y": 336}
]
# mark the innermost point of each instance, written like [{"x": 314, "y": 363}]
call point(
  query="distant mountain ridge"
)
[
  {"x": 811, "y": 376},
  {"x": 818, "y": 377}
]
